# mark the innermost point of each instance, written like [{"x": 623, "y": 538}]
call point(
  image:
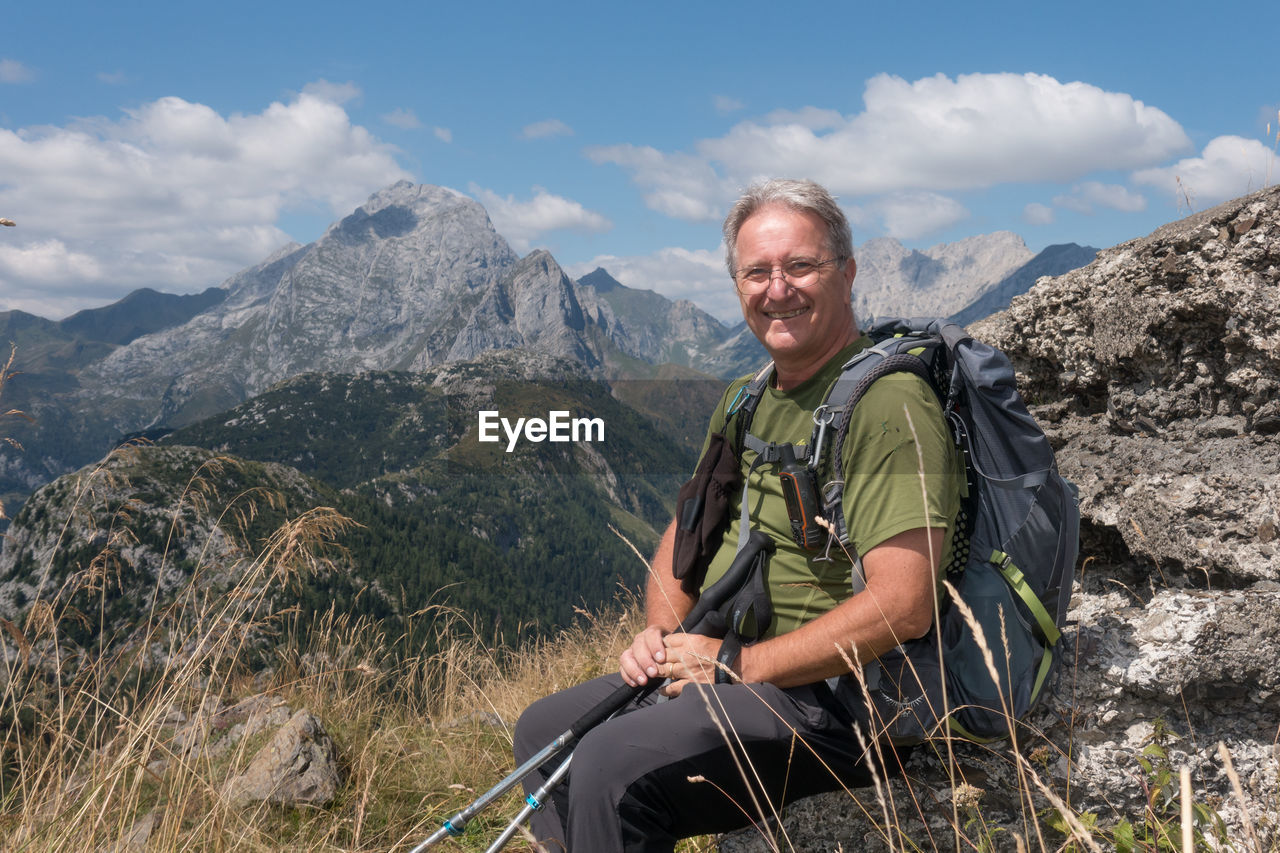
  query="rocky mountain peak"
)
[
  {"x": 601, "y": 280},
  {"x": 893, "y": 280}
]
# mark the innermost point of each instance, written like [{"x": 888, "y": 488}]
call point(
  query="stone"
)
[{"x": 299, "y": 765}]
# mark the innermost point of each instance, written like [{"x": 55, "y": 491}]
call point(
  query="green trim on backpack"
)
[{"x": 1018, "y": 581}]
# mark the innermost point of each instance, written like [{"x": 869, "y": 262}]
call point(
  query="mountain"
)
[
  {"x": 1054, "y": 260},
  {"x": 140, "y": 313},
  {"x": 415, "y": 277},
  {"x": 648, "y": 326},
  {"x": 49, "y": 358},
  {"x": 894, "y": 281}
]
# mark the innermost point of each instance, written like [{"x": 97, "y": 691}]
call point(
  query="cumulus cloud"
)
[
  {"x": 1037, "y": 214},
  {"x": 402, "y": 118},
  {"x": 444, "y": 134},
  {"x": 174, "y": 195},
  {"x": 522, "y": 222},
  {"x": 698, "y": 275},
  {"x": 936, "y": 134},
  {"x": 1229, "y": 166},
  {"x": 1085, "y": 197},
  {"x": 913, "y": 214},
  {"x": 545, "y": 129}
]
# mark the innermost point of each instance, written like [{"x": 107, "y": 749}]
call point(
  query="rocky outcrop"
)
[
  {"x": 1053, "y": 260},
  {"x": 1155, "y": 371}
]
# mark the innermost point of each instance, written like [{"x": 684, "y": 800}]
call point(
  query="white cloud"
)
[
  {"x": 174, "y": 195},
  {"x": 49, "y": 262},
  {"x": 113, "y": 78},
  {"x": 522, "y": 222},
  {"x": 913, "y": 214},
  {"x": 444, "y": 134},
  {"x": 545, "y": 129},
  {"x": 13, "y": 71},
  {"x": 1229, "y": 166},
  {"x": 698, "y": 275},
  {"x": 725, "y": 104},
  {"x": 679, "y": 185},
  {"x": 936, "y": 134},
  {"x": 402, "y": 118},
  {"x": 1037, "y": 214},
  {"x": 1084, "y": 197}
]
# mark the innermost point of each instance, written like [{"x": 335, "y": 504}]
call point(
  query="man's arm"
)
[
  {"x": 665, "y": 605},
  {"x": 897, "y": 605}
]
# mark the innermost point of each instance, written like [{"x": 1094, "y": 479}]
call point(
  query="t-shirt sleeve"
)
[{"x": 900, "y": 463}]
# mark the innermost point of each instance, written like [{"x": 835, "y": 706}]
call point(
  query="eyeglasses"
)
[{"x": 798, "y": 272}]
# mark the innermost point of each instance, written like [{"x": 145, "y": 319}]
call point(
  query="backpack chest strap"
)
[{"x": 767, "y": 453}]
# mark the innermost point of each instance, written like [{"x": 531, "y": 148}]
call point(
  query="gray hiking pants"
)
[{"x": 714, "y": 759}]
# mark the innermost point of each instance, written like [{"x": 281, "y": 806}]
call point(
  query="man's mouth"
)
[{"x": 786, "y": 315}]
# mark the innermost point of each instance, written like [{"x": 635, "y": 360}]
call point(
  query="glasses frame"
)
[{"x": 749, "y": 288}]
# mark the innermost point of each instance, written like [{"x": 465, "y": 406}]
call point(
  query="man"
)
[{"x": 711, "y": 757}]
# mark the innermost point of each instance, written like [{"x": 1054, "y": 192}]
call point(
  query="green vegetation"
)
[{"x": 518, "y": 541}]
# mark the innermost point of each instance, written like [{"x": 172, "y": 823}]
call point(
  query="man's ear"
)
[{"x": 851, "y": 269}]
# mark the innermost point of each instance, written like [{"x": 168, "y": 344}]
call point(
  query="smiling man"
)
[{"x": 746, "y": 723}]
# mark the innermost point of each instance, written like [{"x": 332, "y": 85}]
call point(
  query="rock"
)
[{"x": 299, "y": 765}]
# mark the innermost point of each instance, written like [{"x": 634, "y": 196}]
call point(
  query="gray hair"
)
[{"x": 805, "y": 196}]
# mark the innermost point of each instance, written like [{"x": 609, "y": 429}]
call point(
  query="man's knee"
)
[{"x": 535, "y": 728}]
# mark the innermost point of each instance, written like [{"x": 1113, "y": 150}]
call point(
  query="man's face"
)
[{"x": 800, "y": 327}]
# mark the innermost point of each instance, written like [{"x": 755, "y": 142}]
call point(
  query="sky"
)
[{"x": 169, "y": 145}]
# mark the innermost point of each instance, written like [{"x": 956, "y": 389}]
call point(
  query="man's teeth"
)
[{"x": 784, "y": 315}]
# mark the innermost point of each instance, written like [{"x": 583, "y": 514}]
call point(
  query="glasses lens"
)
[{"x": 800, "y": 272}]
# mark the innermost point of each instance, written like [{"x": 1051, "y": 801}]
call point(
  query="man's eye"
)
[
  {"x": 757, "y": 274},
  {"x": 799, "y": 269}
]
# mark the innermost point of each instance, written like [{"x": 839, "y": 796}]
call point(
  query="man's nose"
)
[{"x": 779, "y": 281}]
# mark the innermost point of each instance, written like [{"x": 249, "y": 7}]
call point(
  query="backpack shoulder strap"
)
[{"x": 744, "y": 405}]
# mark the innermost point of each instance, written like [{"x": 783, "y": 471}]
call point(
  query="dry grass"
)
[{"x": 90, "y": 757}]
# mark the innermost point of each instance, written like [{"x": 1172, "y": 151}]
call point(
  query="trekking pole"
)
[{"x": 708, "y": 602}]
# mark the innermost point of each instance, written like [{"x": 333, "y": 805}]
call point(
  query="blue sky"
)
[{"x": 169, "y": 145}]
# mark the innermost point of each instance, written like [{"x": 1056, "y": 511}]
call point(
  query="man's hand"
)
[
  {"x": 646, "y": 658},
  {"x": 692, "y": 659}
]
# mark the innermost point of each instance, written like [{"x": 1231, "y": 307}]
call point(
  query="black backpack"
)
[{"x": 1014, "y": 547}]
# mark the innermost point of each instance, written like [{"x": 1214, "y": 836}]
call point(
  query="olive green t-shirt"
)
[{"x": 897, "y": 431}]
